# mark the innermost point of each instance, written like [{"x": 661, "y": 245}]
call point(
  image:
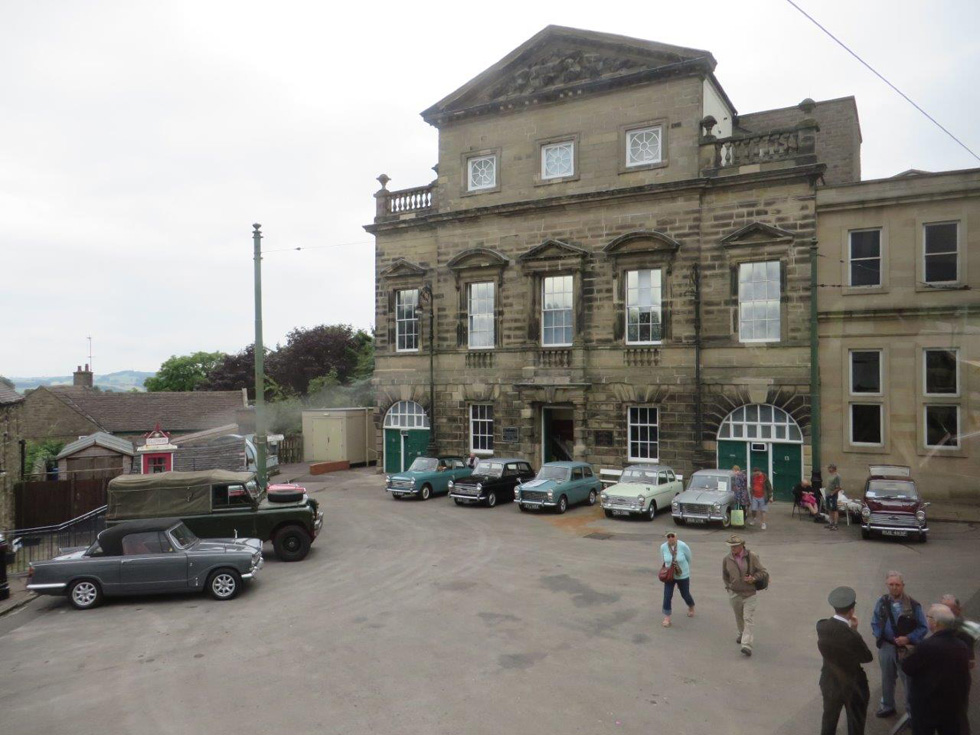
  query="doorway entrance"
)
[
  {"x": 406, "y": 431},
  {"x": 764, "y": 437},
  {"x": 557, "y": 433}
]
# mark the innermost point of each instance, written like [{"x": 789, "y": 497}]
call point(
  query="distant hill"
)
[{"x": 121, "y": 382}]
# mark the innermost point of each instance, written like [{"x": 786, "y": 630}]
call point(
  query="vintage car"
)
[
  {"x": 220, "y": 504},
  {"x": 708, "y": 499},
  {"x": 892, "y": 505},
  {"x": 493, "y": 480},
  {"x": 643, "y": 489},
  {"x": 558, "y": 485},
  {"x": 147, "y": 557},
  {"x": 427, "y": 476}
]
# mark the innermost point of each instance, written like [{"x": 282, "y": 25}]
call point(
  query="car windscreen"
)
[
  {"x": 183, "y": 535},
  {"x": 710, "y": 482},
  {"x": 553, "y": 473},
  {"x": 885, "y": 489},
  {"x": 424, "y": 464},
  {"x": 490, "y": 469},
  {"x": 633, "y": 474}
]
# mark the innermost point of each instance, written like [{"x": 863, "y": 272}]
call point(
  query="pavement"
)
[
  {"x": 423, "y": 617},
  {"x": 19, "y": 595}
]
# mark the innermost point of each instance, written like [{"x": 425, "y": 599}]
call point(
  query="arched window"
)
[
  {"x": 406, "y": 415},
  {"x": 760, "y": 422}
]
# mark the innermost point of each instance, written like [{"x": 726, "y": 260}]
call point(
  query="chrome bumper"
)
[
  {"x": 256, "y": 568},
  {"x": 47, "y": 587},
  {"x": 697, "y": 518},
  {"x": 632, "y": 508},
  {"x": 474, "y": 498},
  {"x": 537, "y": 503},
  {"x": 318, "y": 523},
  {"x": 402, "y": 490},
  {"x": 896, "y": 529}
]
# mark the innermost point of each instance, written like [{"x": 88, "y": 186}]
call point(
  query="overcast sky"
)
[{"x": 140, "y": 140}]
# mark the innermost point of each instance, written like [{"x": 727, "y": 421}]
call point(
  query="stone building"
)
[
  {"x": 11, "y": 427},
  {"x": 900, "y": 329},
  {"x": 612, "y": 265}
]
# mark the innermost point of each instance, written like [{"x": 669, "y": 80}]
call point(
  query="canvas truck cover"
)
[{"x": 167, "y": 493}]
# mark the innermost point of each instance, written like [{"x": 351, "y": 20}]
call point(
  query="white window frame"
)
[
  {"x": 469, "y": 172},
  {"x": 400, "y": 321},
  {"x": 570, "y": 144},
  {"x": 630, "y": 163},
  {"x": 925, "y": 372},
  {"x": 471, "y": 317},
  {"x": 657, "y": 306},
  {"x": 881, "y": 373},
  {"x": 481, "y": 421},
  {"x": 570, "y": 308},
  {"x": 925, "y": 426},
  {"x": 629, "y": 432},
  {"x": 956, "y": 252},
  {"x": 766, "y": 301},
  {"x": 881, "y": 424},
  {"x": 851, "y": 260}
]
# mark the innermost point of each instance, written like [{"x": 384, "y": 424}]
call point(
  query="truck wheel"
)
[
  {"x": 291, "y": 543},
  {"x": 224, "y": 584},
  {"x": 84, "y": 594}
]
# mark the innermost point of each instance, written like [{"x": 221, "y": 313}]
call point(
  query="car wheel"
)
[
  {"x": 562, "y": 505},
  {"x": 592, "y": 497},
  {"x": 678, "y": 521},
  {"x": 609, "y": 513},
  {"x": 865, "y": 533},
  {"x": 224, "y": 584},
  {"x": 425, "y": 492},
  {"x": 396, "y": 496},
  {"x": 491, "y": 499},
  {"x": 652, "y": 513},
  {"x": 923, "y": 537},
  {"x": 457, "y": 501},
  {"x": 291, "y": 543},
  {"x": 84, "y": 594},
  {"x": 726, "y": 521},
  {"x": 522, "y": 508}
]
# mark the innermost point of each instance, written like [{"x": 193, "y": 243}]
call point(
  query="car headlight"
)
[
  {"x": 451, "y": 484},
  {"x": 715, "y": 507},
  {"x": 674, "y": 505},
  {"x": 865, "y": 512},
  {"x": 550, "y": 495},
  {"x": 604, "y": 497},
  {"x": 413, "y": 480},
  {"x": 639, "y": 499},
  {"x": 387, "y": 479},
  {"x": 920, "y": 516},
  {"x": 479, "y": 486}
]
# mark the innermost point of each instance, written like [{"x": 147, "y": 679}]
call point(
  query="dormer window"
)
[
  {"x": 558, "y": 160},
  {"x": 644, "y": 146},
  {"x": 481, "y": 173}
]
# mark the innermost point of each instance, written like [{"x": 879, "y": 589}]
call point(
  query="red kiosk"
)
[{"x": 157, "y": 453}]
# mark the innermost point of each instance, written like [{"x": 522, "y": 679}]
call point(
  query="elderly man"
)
[
  {"x": 740, "y": 571},
  {"x": 897, "y": 623},
  {"x": 953, "y": 603},
  {"x": 843, "y": 682},
  {"x": 939, "y": 670}
]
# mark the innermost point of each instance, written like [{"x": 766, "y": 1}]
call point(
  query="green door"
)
[
  {"x": 416, "y": 441},
  {"x": 393, "y": 450},
  {"x": 787, "y": 468},
  {"x": 758, "y": 460},
  {"x": 731, "y": 453}
]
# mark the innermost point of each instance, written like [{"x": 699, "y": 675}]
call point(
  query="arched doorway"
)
[
  {"x": 406, "y": 429},
  {"x": 766, "y": 437}
]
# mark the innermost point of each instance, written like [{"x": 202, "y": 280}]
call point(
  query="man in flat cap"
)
[
  {"x": 843, "y": 682},
  {"x": 743, "y": 574}
]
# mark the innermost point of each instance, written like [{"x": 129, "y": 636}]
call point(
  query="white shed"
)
[{"x": 339, "y": 435}]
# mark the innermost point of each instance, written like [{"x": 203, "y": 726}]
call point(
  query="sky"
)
[{"x": 139, "y": 141}]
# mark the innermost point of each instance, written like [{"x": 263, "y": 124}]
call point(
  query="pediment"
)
[
  {"x": 757, "y": 233},
  {"x": 478, "y": 258},
  {"x": 642, "y": 242},
  {"x": 553, "y": 250},
  {"x": 402, "y": 267},
  {"x": 561, "y": 60}
]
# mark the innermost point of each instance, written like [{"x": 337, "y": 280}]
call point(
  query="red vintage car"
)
[{"x": 892, "y": 505}]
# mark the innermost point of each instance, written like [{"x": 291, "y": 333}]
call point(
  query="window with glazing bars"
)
[
  {"x": 758, "y": 302},
  {"x": 407, "y": 320},
  {"x": 481, "y": 307},
  {"x": 556, "y": 311},
  {"x": 643, "y": 307}
]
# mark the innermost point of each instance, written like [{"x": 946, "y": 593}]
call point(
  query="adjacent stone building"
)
[
  {"x": 11, "y": 433},
  {"x": 612, "y": 265},
  {"x": 900, "y": 328}
]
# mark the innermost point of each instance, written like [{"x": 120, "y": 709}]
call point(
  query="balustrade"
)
[
  {"x": 405, "y": 201},
  {"x": 554, "y": 358}
]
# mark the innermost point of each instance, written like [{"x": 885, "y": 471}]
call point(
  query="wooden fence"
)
[
  {"x": 291, "y": 449},
  {"x": 50, "y": 502}
]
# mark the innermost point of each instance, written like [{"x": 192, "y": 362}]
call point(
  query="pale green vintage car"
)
[
  {"x": 642, "y": 490},
  {"x": 427, "y": 476}
]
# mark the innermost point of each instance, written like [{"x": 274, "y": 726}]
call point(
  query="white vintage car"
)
[{"x": 643, "y": 489}]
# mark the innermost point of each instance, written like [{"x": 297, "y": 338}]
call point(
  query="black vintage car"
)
[{"x": 493, "y": 481}]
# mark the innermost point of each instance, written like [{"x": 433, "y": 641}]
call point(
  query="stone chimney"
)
[{"x": 83, "y": 378}]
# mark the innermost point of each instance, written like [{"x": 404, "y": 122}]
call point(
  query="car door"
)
[
  {"x": 578, "y": 487},
  {"x": 508, "y": 480},
  {"x": 662, "y": 491},
  {"x": 150, "y": 563},
  {"x": 460, "y": 469}
]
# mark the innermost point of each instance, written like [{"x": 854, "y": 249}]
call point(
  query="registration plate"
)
[
  {"x": 621, "y": 512},
  {"x": 893, "y": 532},
  {"x": 696, "y": 520}
]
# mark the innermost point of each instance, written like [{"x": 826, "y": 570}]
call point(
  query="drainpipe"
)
[
  {"x": 698, "y": 417},
  {"x": 426, "y": 299},
  {"x": 816, "y": 476}
]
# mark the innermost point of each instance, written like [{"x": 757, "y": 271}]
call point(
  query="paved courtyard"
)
[{"x": 422, "y": 617}]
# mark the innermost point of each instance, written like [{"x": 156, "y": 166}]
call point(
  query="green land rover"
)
[{"x": 219, "y": 504}]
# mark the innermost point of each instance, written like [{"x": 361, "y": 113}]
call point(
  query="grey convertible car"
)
[{"x": 148, "y": 557}]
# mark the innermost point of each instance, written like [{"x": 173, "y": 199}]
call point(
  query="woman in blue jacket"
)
[{"x": 675, "y": 551}]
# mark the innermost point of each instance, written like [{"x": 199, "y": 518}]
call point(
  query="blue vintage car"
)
[
  {"x": 427, "y": 476},
  {"x": 558, "y": 485}
]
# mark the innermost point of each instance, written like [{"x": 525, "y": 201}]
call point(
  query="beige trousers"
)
[{"x": 744, "y": 608}]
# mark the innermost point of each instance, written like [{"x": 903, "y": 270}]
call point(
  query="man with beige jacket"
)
[{"x": 741, "y": 570}]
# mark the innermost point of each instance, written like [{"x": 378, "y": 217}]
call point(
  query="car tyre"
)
[
  {"x": 84, "y": 594},
  {"x": 592, "y": 497},
  {"x": 726, "y": 521},
  {"x": 224, "y": 584},
  {"x": 678, "y": 521},
  {"x": 865, "y": 533},
  {"x": 425, "y": 492},
  {"x": 609, "y": 513},
  {"x": 652, "y": 512},
  {"x": 923, "y": 537},
  {"x": 457, "y": 501},
  {"x": 562, "y": 505},
  {"x": 291, "y": 543},
  {"x": 491, "y": 499},
  {"x": 522, "y": 508}
]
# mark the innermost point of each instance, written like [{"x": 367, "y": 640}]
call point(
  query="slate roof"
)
[
  {"x": 8, "y": 396},
  {"x": 121, "y": 413},
  {"x": 100, "y": 438}
]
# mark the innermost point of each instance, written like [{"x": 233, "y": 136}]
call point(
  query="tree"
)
[
  {"x": 185, "y": 372},
  {"x": 6, "y": 383},
  {"x": 315, "y": 352}
]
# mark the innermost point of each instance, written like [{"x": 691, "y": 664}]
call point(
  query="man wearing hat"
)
[
  {"x": 843, "y": 682},
  {"x": 740, "y": 570}
]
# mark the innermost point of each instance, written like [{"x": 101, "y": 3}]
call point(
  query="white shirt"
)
[{"x": 845, "y": 621}]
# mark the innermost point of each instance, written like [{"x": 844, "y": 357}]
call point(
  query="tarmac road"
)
[{"x": 423, "y": 617}]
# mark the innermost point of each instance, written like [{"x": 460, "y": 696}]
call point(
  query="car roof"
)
[
  {"x": 653, "y": 467},
  {"x": 566, "y": 464},
  {"x": 450, "y": 456},
  {"x": 715, "y": 472},
  {"x": 111, "y": 538},
  {"x": 503, "y": 459}
]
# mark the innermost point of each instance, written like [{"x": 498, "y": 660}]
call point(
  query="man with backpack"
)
[
  {"x": 898, "y": 623},
  {"x": 743, "y": 575}
]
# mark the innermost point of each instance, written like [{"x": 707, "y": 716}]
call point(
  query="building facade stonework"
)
[{"x": 612, "y": 265}]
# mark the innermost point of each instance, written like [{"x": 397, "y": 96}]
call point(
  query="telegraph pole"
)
[{"x": 260, "y": 433}]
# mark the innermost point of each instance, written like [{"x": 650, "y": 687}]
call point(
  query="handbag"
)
[
  {"x": 666, "y": 573},
  {"x": 738, "y": 518}
]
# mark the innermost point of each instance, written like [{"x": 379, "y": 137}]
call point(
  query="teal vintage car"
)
[
  {"x": 558, "y": 485},
  {"x": 427, "y": 476}
]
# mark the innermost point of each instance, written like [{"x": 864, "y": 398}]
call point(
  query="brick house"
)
[
  {"x": 11, "y": 427},
  {"x": 612, "y": 265}
]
